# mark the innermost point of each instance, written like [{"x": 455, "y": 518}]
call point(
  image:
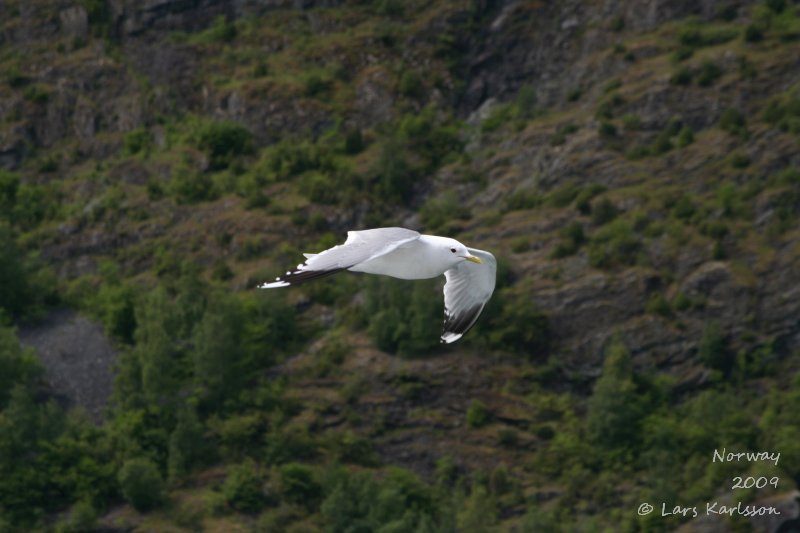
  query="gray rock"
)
[{"x": 78, "y": 359}]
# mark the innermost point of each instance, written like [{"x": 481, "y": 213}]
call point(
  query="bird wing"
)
[
  {"x": 469, "y": 286},
  {"x": 360, "y": 246}
]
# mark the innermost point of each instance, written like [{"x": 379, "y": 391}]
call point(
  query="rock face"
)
[{"x": 78, "y": 359}]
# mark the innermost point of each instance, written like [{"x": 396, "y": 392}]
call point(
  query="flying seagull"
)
[{"x": 405, "y": 254}]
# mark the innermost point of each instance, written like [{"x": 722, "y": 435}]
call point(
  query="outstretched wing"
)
[
  {"x": 360, "y": 246},
  {"x": 469, "y": 286}
]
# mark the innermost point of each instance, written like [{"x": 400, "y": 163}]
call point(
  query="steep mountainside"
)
[{"x": 634, "y": 165}]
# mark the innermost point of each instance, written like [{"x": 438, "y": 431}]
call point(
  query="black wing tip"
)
[
  {"x": 299, "y": 276},
  {"x": 456, "y": 326}
]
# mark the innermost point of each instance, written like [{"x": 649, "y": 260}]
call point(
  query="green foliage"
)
[
  {"x": 572, "y": 237},
  {"x": 522, "y": 200},
  {"x": 479, "y": 514},
  {"x": 242, "y": 488},
  {"x": 20, "y": 366},
  {"x": 187, "y": 448},
  {"x": 713, "y": 349},
  {"x": 614, "y": 411},
  {"x": 138, "y": 140},
  {"x": 696, "y": 36},
  {"x": 400, "y": 502},
  {"x": 438, "y": 213},
  {"x": 221, "y": 31},
  {"x": 299, "y": 486},
  {"x": 218, "y": 349},
  {"x": 658, "y": 305},
  {"x": 404, "y": 320},
  {"x": 25, "y": 286},
  {"x": 561, "y": 134},
  {"x": 519, "y": 327},
  {"x": 783, "y": 111},
  {"x": 603, "y": 212},
  {"x": 478, "y": 415},
  {"x": 223, "y": 141},
  {"x": 411, "y": 85},
  {"x": 708, "y": 74},
  {"x": 189, "y": 185},
  {"x": 682, "y": 76},
  {"x": 733, "y": 122},
  {"x": 317, "y": 84},
  {"x": 614, "y": 244},
  {"x": 141, "y": 484}
]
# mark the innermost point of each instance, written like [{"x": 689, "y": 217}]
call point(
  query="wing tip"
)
[
  {"x": 274, "y": 285},
  {"x": 450, "y": 337}
]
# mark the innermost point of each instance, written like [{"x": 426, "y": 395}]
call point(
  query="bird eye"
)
[{"x": 453, "y": 250}]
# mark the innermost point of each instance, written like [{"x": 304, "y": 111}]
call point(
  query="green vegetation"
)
[{"x": 656, "y": 192}]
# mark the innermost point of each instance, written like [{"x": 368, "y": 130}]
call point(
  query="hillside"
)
[{"x": 633, "y": 165}]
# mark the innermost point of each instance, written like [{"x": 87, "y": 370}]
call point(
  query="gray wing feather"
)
[
  {"x": 360, "y": 246},
  {"x": 469, "y": 286}
]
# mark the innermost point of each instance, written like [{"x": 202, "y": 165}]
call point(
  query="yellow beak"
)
[{"x": 473, "y": 259}]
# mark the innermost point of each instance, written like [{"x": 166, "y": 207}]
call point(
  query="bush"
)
[
  {"x": 614, "y": 244},
  {"x": 783, "y": 111},
  {"x": 733, "y": 122},
  {"x": 572, "y": 237},
  {"x": 188, "y": 185},
  {"x": 682, "y": 76},
  {"x": 478, "y": 414},
  {"x": 138, "y": 140},
  {"x": 614, "y": 411},
  {"x": 411, "y": 84},
  {"x": 299, "y": 486},
  {"x": 603, "y": 212},
  {"x": 223, "y": 141},
  {"x": 437, "y": 213},
  {"x": 708, "y": 74},
  {"x": 520, "y": 327},
  {"x": 242, "y": 488},
  {"x": 713, "y": 350},
  {"x": 140, "y": 483}
]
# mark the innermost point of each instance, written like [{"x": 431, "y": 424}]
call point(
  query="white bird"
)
[{"x": 405, "y": 254}]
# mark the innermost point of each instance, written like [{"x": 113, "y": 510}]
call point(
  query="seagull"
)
[{"x": 406, "y": 254}]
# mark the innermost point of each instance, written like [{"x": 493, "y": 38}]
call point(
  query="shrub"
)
[
  {"x": 437, "y": 213},
  {"x": 242, "y": 488},
  {"x": 353, "y": 142},
  {"x": 607, "y": 130},
  {"x": 411, "y": 84},
  {"x": 522, "y": 200},
  {"x": 733, "y": 122},
  {"x": 685, "y": 137},
  {"x": 753, "y": 33},
  {"x": 658, "y": 305},
  {"x": 603, "y": 212},
  {"x": 713, "y": 350},
  {"x": 682, "y": 76},
  {"x": 316, "y": 84},
  {"x": 739, "y": 160},
  {"x": 138, "y": 140},
  {"x": 221, "y": 30},
  {"x": 520, "y": 327},
  {"x": 708, "y": 74},
  {"x": 614, "y": 411},
  {"x": 783, "y": 111},
  {"x": 189, "y": 185},
  {"x": 140, "y": 483},
  {"x": 614, "y": 244},
  {"x": 223, "y": 141},
  {"x": 478, "y": 414},
  {"x": 299, "y": 486},
  {"x": 572, "y": 237}
]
